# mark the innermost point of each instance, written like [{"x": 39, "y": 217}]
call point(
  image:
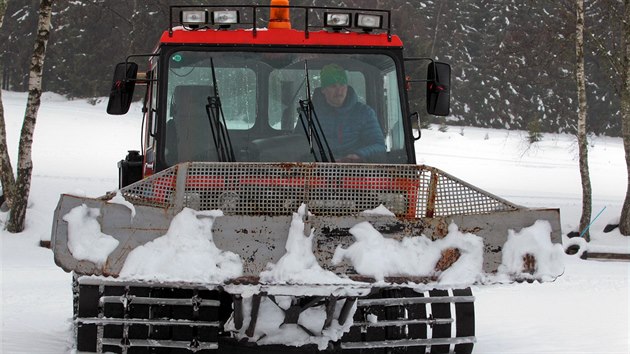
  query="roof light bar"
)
[
  {"x": 337, "y": 21},
  {"x": 225, "y": 18},
  {"x": 193, "y": 18},
  {"x": 222, "y": 16},
  {"x": 369, "y": 22}
]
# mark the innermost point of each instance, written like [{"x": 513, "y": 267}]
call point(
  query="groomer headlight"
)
[
  {"x": 369, "y": 22},
  {"x": 337, "y": 21},
  {"x": 225, "y": 18},
  {"x": 194, "y": 19}
]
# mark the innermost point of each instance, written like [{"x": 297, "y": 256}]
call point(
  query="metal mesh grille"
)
[
  {"x": 455, "y": 198},
  {"x": 156, "y": 190},
  {"x": 409, "y": 191}
]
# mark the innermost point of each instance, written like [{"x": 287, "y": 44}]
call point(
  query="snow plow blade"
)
[
  {"x": 258, "y": 200},
  {"x": 247, "y": 313}
]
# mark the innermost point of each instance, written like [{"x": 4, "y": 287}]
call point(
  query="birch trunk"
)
[
  {"x": 25, "y": 163},
  {"x": 624, "y": 222},
  {"x": 581, "y": 135},
  {"x": 7, "y": 180}
]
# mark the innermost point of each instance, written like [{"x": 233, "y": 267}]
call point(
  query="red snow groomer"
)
[{"x": 292, "y": 147}]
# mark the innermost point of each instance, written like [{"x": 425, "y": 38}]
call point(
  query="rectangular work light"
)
[
  {"x": 194, "y": 18},
  {"x": 337, "y": 20},
  {"x": 369, "y": 22},
  {"x": 225, "y": 18}
]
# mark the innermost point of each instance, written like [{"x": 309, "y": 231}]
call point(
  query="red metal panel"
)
[{"x": 279, "y": 37}]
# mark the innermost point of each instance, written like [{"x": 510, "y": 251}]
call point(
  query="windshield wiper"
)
[
  {"x": 313, "y": 130},
  {"x": 220, "y": 134}
]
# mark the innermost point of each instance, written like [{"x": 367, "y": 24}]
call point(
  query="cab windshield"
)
[{"x": 266, "y": 112}]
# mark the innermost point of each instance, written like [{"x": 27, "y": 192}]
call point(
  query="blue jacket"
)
[{"x": 350, "y": 129}]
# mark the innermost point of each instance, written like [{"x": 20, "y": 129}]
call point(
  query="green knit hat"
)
[{"x": 333, "y": 74}]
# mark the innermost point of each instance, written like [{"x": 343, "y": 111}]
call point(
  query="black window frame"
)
[{"x": 166, "y": 50}]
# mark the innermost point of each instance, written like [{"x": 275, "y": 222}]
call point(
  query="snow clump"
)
[
  {"x": 299, "y": 265},
  {"x": 186, "y": 253},
  {"x": 374, "y": 255},
  {"x": 535, "y": 241},
  {"x": 380, "y": 210},
  {"x": 120, "y": 199},
  {"x": 86, "y": 242},
  {"x": 469, "y": 267},
  {"x": 308, "y": 330}
]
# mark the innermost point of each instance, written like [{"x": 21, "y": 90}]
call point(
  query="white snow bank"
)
[
  {"x": 376, "y": 256},
  {"x": 270, "y": 328},
  {"x": 614, "y": 221},
  {"x": 86, "y": 242},
  {"x": 299, "y": 265},
  {"x": 185, "y": 253},
  {"x": 536, "y": 241},
  {"x": 613, "y": 242}
]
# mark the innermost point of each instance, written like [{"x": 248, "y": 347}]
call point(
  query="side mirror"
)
[
  {"x": 123, "y": 85},
  {"x": 439, "y": 89}
]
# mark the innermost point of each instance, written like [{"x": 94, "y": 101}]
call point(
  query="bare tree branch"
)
[{"x": 112, "y": 10}]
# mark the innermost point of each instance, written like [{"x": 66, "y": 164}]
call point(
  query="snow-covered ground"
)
[{"x": 584, "y": 311}]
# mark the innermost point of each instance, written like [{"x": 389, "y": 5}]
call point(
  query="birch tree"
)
[
  {"x": 17, "y": 188},
  {"x": 624, "y": 222},
  {"x": 6, "y": 172},
  {"x": 581, "y": 131}
]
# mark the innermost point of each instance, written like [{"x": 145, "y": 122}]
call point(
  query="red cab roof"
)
[{"x": 288, "y": 37}]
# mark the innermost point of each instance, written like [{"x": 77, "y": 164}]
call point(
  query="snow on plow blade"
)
[{"x": 258, "y": 199}]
